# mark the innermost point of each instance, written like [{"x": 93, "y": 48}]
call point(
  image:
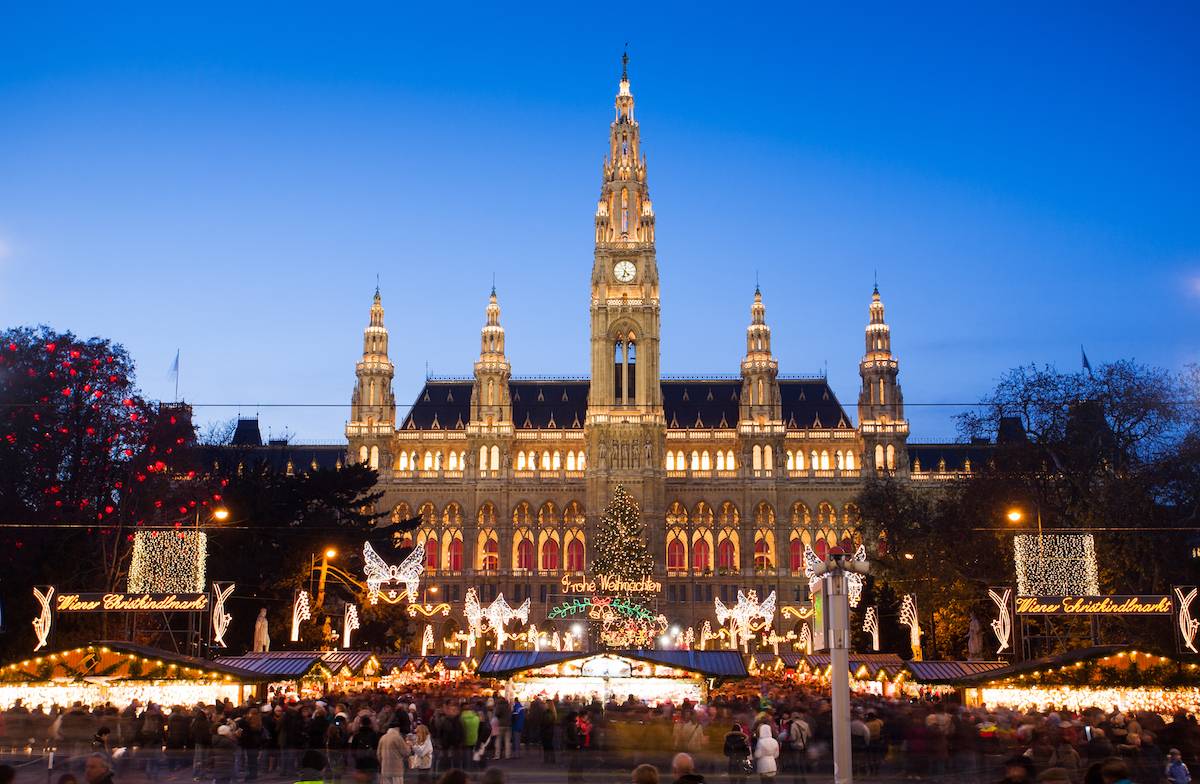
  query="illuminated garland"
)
[
  {"x": 168, "y": 562},
  {"x": 595, "y": 606},
  {"x": 620, "y": 632},
  {"x": 1056, "y": 565}
]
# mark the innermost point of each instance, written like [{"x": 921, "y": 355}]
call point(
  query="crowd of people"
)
[{"x": 780, "y": 733}]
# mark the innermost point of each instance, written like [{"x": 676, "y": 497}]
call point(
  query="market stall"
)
[
  {"x": 397, "y": 670},
  {"x": 120, "y": 672},
  {"x": 1107, "y": 677},
  {"x": 651, "y": 676},
  {"x": 310, "y": 673}
]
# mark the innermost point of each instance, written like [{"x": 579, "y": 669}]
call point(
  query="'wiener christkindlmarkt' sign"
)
[
  {"x": 131, "y": 602},
  {"x": 1094, "y": 605}
]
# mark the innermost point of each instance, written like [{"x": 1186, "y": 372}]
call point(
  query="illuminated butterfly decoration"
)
[{"x": 381, "y": 574}]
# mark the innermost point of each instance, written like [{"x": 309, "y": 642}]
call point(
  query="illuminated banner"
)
[
  {"x": 131, "y": 602},
  {"x": 610, "y": 584},
  {"x": 1094, "y": 605}
]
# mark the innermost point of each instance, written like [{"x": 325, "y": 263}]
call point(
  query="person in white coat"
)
[
  {"x": 766, "y": 751},
  {"x": 393, "y": 752}
]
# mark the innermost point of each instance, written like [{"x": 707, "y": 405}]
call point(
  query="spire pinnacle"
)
[
  {"x": 625, "y": 63},
  {"x": 876, "y": 291},
  {"x": 376, "y": 285}
]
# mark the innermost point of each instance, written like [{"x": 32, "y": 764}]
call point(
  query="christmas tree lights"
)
[
  {"x": 621, "y": 549},
  {"x": 1056, "y": 565},
  {"x": 168, "y": 561}
]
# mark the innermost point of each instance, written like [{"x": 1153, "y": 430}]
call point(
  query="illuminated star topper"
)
[{"x": 380, "y": 574}]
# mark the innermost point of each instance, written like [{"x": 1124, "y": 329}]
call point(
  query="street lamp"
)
[
  {"x": 331, "y": 553},
  {"x": 326, "y": 557},
  {"x": 1015, "y": 516}
]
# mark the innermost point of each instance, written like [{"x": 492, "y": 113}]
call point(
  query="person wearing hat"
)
[
  {"x": 1018, "y": 770},
  {"x": 221, "y": 757},
  {"x": 1177, "y": 772}
]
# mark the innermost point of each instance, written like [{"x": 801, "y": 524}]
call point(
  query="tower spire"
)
[
  {"x": 489, "y": 396},
  {"x": 372, "y": 405},
  {"x": 625, "y": 63},
  {"x": 880, "y": 401}
]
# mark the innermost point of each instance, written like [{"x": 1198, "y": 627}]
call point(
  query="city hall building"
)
[{"x": 734, "y": 474}]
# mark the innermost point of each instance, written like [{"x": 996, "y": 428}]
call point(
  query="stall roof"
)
[
  {"x": 398, "y": 661},
  {"x": 1046, "y": 662},
  {"x": 720, "y": 664},
  {"x": 950, "y": 672},
  {"x": 296, "y": 664},
  {"x": 87, "y": 660}
]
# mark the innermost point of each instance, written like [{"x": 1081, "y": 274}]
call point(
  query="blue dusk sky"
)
[{"x": 229, "y": 180}]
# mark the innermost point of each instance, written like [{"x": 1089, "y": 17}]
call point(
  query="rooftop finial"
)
[
  {"x": 876, "y": 291},
  {"x": 625, "y": 63},
  {"x": 493, "y": 284},
  {"x": 376, "y": 285},
  {"x": 757, "y": 291}
]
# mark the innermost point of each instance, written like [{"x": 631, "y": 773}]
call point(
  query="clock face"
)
[{"x": 624, "y": 271}]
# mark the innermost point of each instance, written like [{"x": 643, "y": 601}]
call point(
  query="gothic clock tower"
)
[{"x": 625, "y": 427}]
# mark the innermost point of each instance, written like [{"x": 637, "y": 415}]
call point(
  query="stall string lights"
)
[
  {"x": 168, "y": 561},
  {"x": 220, "y": 618},
  {"x": 1056, "y": 565}
]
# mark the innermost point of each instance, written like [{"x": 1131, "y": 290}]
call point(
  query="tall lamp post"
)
[
  {"x": 1015, "y": 516},
  {"x": 326, "y": 557},
  {"x": 837, "y": 608}
]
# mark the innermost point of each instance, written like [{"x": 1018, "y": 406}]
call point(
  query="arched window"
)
[
  {"x": 575, "y": 557},
  {"x": 677, "y": 514},
  {"x": 483, "y": 458},
  {"x": 548, "y": 514},
  {"x": 363, "y": 454},
  {"x": 428, "y": 513},
  {"x": 525, "y": 553},
  {"x": 452, "y": 463},
  {"x": 522, "y": 514},
  {"x": 849, "y": 460},
  {"x": 762, "y": 552},
  {"x": 730, "y": 464},
  {"x": 824, "y": 460},
  {"x": 452, "y": 515},
  {"x": 573, "y": 513},
  {"x": 814, "y": 462},
  {"x": 431, "y": 553},
  {"x": 495, "y": 461},
  {"x": 531, "y": 460},
  {"x": 491, "y": 395},
  {"x": 401, "y": 512},
  {"x": 555, "y": 461},
  {"x": 881, "y": 400},
  {"x": 891, "y": 457},
  {"x": 764, "y": 514},
  {"x": 437, "y": 461},
  {"x": 546, "y": 464},
  {"x": 799, "y": 459},
  {"x": 705, "y": 465},
  {"x": 670, "y": 460},
  {"x": 491, "y": 554},
  {"x": 403, "y": 464},
  {"x": 796, "y": 555},
  {"x": 676, "y": 555},
  {"x": 520, "y": 461},
  {"x": 800, "y": 514},
  {"x": 695, "y": 460},
  {"x": 549, "y": 555},
  {"x": 581, "y": 461},
  {"x": 729, "y": 514},
  {"x": 761, "y": 397},
  {"x": 720, "y": 460},
  {"x": 375, "y": 457},
  {"x": 826, "y": 514},
  {"x": 703, "y": 514},
  {"x": 726, "y": 555},
  {"x": 791, "y": 460},
  {"x": 879, "y": 464},
  {"x": 701, "y": 556},
  {"x": 487, "y": 515},
  {"x": 837, "y": 460},
  {"x": 570, "y": 461},
  {"x": 756, "y": 461},
  {"x": 768, "y": 459},
  {"x": 456, "y": 552}
]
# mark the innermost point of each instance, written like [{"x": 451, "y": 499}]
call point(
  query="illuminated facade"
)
[{"x": 734, "y": 475}]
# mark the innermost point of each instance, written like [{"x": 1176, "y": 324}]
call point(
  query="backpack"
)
[{"x": 797, "y": 737}]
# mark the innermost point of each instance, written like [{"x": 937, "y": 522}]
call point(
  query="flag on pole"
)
[
  {"x": 174, "y": 373},
  {"x": 1086, "y": 365}
]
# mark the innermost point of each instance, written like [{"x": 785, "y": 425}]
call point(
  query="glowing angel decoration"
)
[
  {"x": 742, "y": 615},
  {"x": 220, "y": 618},
  {"x": 300, "y": 612},
  {"x": 909, "y": 617},
  {"x": 1002, "y": 626},
  {"x": 474, "y": 612},
  {"x": 556, "y": 641},
  {"x": 42, "y": 623},
  {"x": 705, "y": 635},
  {"x": 498, "y": 614},
  {"x": 1187, "y": 624},
  {"x": 811, "y": 563},
  {"x": 871, "y": 626},
  {"x": 349, "y": 623},
  {"x": 380, "y": 573}
]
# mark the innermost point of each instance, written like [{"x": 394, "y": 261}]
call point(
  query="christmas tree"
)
[{"x": 621, "y": 550}]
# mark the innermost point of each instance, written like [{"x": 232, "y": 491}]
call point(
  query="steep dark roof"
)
[
  {"x": 276, "y": 455},
  {"x": 687, "y": 403},
  {"x": 246, "y": 433},
  {"x": 955, "y": 455}
]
